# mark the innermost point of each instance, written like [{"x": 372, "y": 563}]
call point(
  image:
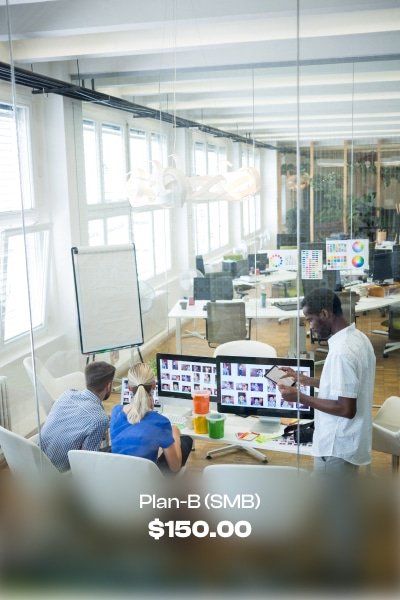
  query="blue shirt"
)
[
  {"x": 76, "y": 421},
  {"x": 141, "y": 439}
]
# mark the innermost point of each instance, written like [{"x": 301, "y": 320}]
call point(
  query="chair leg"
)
[
  {"x": 390, "y": 347},
  {"x": 395, "y": 463},
  {"x": 234, "y": 448}
]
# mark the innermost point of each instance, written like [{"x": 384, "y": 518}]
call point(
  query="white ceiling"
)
[{"x": 227, "y": 63}]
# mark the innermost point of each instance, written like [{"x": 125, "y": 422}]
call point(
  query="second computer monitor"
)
[
  {"x": 382, "y": 265},
  {"x": 258, "y": 261},
  {"x": 209, "y": 288}
]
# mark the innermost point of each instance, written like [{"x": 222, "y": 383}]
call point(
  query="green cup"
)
[{"x": 216, "y": 425}]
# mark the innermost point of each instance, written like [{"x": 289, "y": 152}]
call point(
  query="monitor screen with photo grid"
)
[
  {"x": 244, "y": 389},
  {"x": 180, "y": 375}
]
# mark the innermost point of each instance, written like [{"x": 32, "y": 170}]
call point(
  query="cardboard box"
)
[{"x": 383, "y": 290}]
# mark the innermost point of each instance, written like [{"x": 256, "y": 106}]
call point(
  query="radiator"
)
[{"x": 5, "y": 417}]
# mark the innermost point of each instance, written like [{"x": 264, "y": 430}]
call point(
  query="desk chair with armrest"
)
[
  {"x": 386, "y": 430},
  {"x": 393, "y": 331},
  {"x": 30, "y": 467},
  {"x": 276, "y": 486},
  {"x": 108, "y": 486},
  {"x": 254, "y": 349},
  {"x": 49, "y": 388},
  {"x": 226, "y": 321}
]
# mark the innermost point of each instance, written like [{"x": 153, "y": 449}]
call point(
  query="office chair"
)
[
  {"x": 108, "y": 486},
  {"x": 386, "y": 430},
  {"x": 252, "y": 348},
  {"x": 31, "y": 468},
  {"x": 275, "y": 486},
  {"x": 393, "y": 331},
  {"x": 226, "y": 321},
  {"x": 50, "y": 388}
]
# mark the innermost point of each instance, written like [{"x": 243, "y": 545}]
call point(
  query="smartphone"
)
[{"x": 278, "y": 376}]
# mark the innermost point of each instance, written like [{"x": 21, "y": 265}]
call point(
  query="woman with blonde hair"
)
[{"x": 136, "y": 429}]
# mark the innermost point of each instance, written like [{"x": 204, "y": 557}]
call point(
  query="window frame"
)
[
  {"x": 45, "y": 266},
  {"x": 223, "y": 205},
  {"x": 106, "y": 210}
]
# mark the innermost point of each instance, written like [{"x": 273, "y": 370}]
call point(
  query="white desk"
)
[
  {"x": 235, "y": 424},
  {"x": 266, "y": 280},
  {"x": 253, "y": 311}
]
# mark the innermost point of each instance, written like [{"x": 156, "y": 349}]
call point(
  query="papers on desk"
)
[{"x": 251, "y": 436}]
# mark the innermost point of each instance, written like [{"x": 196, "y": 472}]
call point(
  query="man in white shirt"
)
[{"x": 343, "y": 408}]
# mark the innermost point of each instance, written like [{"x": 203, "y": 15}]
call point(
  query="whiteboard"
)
[{"x": 107, "y": 297}]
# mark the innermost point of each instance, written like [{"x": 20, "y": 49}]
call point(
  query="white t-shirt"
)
[{"x": 349, "y": 371}]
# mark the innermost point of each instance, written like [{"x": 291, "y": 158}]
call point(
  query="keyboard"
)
[
  {"x": 286, "y": 305},
  {"x": 178, "y": 420},
  {"x": 177, "y": 414}
]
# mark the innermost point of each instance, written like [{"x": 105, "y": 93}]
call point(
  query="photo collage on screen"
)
[
  {"x": 185, "y": 377},
  {"x": 246, "y": 385}
]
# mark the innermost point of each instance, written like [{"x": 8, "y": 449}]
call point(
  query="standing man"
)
[
  {"x": 343, "y": 409},
  {"x": 77, "y": 420}
]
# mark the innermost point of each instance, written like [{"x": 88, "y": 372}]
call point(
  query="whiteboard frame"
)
[{"x": 127, "y": 331}]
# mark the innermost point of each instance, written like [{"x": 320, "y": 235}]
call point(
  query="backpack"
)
[{"x": 305, "y": 432}]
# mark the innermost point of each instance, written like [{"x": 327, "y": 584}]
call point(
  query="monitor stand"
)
[
  {"x": 268, "y": 425},
  {"x": 264, "y": 425}
]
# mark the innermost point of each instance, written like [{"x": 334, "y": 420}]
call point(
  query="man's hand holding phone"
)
[
  {"x": 279, "y": 376},
  {"x": 302, "y": 379}
]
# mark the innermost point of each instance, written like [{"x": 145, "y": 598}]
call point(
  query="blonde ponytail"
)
[{"x": 140, "y": 380}]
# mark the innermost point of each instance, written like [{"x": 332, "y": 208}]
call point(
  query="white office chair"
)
[
  {"x": 283, "y": 493},
  {"x": 251, "y": 348},
  {"x": 50, "y": 388},
  {"x": 31, "y": 468},
  {"x": 245, "y": 348},
  {"x": 108, "y": 486},
  {"x": 386, "y": 430}
]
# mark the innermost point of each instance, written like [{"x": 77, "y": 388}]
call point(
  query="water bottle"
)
[{"x": 263, "y": 299}]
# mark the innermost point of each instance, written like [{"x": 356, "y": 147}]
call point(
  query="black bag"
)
[{"x": 305, "y": 432}]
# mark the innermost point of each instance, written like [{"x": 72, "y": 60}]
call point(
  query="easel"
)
[{"x": 117, "y": 388}]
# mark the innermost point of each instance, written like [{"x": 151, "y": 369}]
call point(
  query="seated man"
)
[{"x": 77, "y": 420}]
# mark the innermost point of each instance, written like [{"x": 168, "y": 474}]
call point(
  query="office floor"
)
[{"x": 387, "y": 383}]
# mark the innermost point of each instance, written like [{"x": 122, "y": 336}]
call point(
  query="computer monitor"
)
[
  {"x": 330, "y": 279},
  {"x": 200, "y": 264},
  {"x": 179, "y": 375},
  {"x": 235, "y": 267},
  {"x": 396, "y": 262},
  {"x": 213, "y": 288},
  {"x": 258, "y": 261},
  {"x": 243, "y": 389},
  {"x": 382, "y": 268},
  {"x": 288, "y": 239},
  {"x": 221, "y": 288},
  {"x": 202, "y": 288}
]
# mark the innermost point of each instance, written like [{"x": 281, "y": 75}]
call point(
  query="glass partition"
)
[{"x": 248, "y": 168}]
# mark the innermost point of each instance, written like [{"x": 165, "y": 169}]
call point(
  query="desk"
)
[
  {"x": 253, "y": 311},
  {"x": 266, "y": 280},
  {"x": 235, "y": 424}
]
